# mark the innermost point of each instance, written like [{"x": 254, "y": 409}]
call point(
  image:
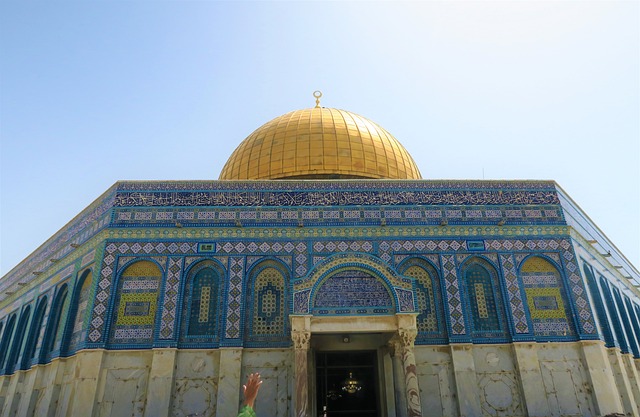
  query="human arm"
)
[{"x": 250, "y": 394}]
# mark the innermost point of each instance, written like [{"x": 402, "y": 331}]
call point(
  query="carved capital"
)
[
  {"x": 395, "y": 346},
  {"x": 301, "y": 339},
  {"x": 407, "y": 337}
]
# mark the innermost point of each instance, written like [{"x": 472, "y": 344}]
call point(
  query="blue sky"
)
[{"x": 96, "y": 92}]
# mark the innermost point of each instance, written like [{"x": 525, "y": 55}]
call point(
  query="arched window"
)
[
  {"x": 603, "y": 320},
  {"x": 16, "y": 347},
  {"x": 55, "y": 324},
  {"x": 624, "y": 317},
  {"x": 615, "y": 319},
  {"x": 546, "y": 298},
  {"x": 427, "y": 290},
  {"x": 136, "y": 304},
  {"x": 79, "y": 316},
  {"x": 6, "y": 339},
  {"x": 202, "y": 302},
  {"x": 481, "y": 292},
  {"x": 34, "y": 334},
  {"x": 267, "y": 312},
  {"x": 633, "y": 320}
]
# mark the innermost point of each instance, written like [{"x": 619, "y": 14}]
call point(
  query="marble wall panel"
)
[
  {"x": 565, "y": 381},
  {"x": 274, "y": 367},
  {"x": 196, "y": 383},
  {"x": 499, "y": 386},
  {"x": 436, "y": 380}
]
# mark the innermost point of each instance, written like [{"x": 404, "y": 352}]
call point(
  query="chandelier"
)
[{"x": 351, "y": 385}]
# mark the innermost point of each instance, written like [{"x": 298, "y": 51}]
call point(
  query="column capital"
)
[
  {"x": 407, "y": 337},
  {"x": 301, "y": 339}
]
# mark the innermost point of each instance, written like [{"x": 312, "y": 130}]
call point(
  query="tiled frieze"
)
[
  {"x": 88, "y": 258},
  {"x": 586, "y": 320},
  {"x": 298, "y": 249},
  {"x": 514, "y": 295},
  {"x": 315, "y": 186},
  {"x": 342, "y": 246},
  {"x": 197, "y": 216},
  {"x": 234, "y": 297},
  {"x": 171, "y": 290},
  {"x": 87, "y": 225},
  {"x": 452, "y": 291},
  {"x": 295, "y": 254},
  {"x": 388, "y": 247},
  {"x": 299, "y": 198}
]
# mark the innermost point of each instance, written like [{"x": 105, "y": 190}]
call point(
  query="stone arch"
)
[
  {"x": 201, "y": 301},
  {"x": 136, "y": 303},
  {"x": 547, "y": 301}
]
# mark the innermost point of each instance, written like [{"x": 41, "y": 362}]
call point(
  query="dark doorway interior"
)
[{"x": 333, "y": 370}]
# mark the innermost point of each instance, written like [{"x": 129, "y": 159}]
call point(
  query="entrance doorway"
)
[{"x": 347, "y": 384}]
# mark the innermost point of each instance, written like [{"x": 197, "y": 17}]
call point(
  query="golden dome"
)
[{"x": 320, "y": 143}]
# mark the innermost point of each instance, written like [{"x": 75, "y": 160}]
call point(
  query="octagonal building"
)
[{"x": 323, "y": 261}]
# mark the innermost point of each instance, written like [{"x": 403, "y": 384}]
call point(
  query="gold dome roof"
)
[{"x": 320, "y": 143}]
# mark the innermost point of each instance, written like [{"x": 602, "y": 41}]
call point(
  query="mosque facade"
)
[{"x": 323, "y": 261}]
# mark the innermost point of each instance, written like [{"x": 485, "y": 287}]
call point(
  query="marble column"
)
[
  {"x": 412, "y": 390},
  {"x": 161, "y": 383},
  {"x": 602, "y": 371},
  {"x": 30, "y": 393},
  {"x": 464, "y": 370},
  {"x": 301, "y": 340},
  {"x": 88, "y": 367},
  {"x": 229, "y": 382},
  {"x": 395, "y": 350},
  {"x": 528, "y": 364}
]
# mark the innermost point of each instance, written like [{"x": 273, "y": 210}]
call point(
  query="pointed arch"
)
[
  {"x": 613, "y": 314},
  {"x": 55, "y": 325},
  {"x": 136, "y": 303},
  {"x": 428, "y": 296},
  {"x": 596, "y": 297},
  {"x": 267, "y": 311},
  {"x": 18, "y": 340},
  {"x": 626, "y": 324},
  {"x": 484, "y": 297},
  {"x": 633, "y": 321},
  {"x": 34, "y": 334},
  {"x": 79, "y": 313},
  {"x": 549, "y": 307},
  {"x": 6, "y": 339},
  {"x": 202, "y": 298}
]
